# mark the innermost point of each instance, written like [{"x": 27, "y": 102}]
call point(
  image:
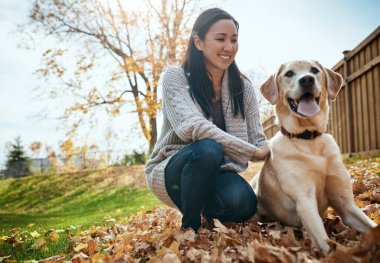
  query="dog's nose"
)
[{"x": 307, "y": 81}]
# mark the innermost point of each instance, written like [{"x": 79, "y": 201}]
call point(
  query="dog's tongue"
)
[{"x": 308, "y": 106}]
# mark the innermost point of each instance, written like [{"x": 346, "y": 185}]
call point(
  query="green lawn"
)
[{"x": 66, "y": 203}]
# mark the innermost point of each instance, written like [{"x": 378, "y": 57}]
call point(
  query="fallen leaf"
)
[
  {"x": 4, "y": 238},
  {"x": 162, "y": 252},
  {"x": 35, "y": 234},
  {"x": 4, "y": 258},
  {"x": 92, "y": 247},
  {"x": 39, "y": 244},
  {"x": 53, "y": 236},
  {"x": 172, "y": 258},
  {"x": 53, "y": 259},
  {"x": 80, "y": 247},
  {"x": 219, "y": 227},
  {"x": 174, "y": 247},
  {"x": 80, "y": 258}
]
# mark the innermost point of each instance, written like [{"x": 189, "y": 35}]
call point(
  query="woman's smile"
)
[
  {"x": 219, "y": 46},
  {"x": 225, "y": 56}
]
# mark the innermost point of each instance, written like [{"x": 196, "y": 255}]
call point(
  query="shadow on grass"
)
[
  {"x": 69, "y": 203},
  {"x": 85, "y": 208}
]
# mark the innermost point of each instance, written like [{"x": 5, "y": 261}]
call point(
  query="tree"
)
[
  {"x": 76, "y": 157},
  {"x": 17, "y": 164},
  {"x": 257, "y": 77},
  {"x": 111, "y": 47}
]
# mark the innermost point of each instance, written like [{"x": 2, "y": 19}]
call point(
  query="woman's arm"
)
[
  {"x": 188, "y": 122},
  {"x": 256, "y": 135}
]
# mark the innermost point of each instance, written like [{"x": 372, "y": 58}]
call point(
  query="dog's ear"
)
[
  {"x": 334, "y": 82},
  {"x": 269, "y": 88}
]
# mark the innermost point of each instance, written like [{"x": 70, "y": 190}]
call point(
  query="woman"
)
[{"x": 211, "y": 129}]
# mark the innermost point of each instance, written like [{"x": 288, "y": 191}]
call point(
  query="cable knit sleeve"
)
[
  {"x": 188, "y": 122},
  {"x": 255, "y": 130}
]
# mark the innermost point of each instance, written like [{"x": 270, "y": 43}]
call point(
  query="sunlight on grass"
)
[{"x": 66, "y": 203}]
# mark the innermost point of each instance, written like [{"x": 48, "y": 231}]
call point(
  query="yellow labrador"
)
[{"x": 305, "y": 173}]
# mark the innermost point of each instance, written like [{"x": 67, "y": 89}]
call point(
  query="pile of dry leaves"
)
[{"x": 156, "y": 236}]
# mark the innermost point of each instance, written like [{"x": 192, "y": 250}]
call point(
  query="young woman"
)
[{"x": 211, "y": 129}]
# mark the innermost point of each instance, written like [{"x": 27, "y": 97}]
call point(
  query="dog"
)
[{"x": 304, "y": 173}]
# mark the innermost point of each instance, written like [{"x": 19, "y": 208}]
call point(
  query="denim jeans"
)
[{"x": 196, "y": 185}]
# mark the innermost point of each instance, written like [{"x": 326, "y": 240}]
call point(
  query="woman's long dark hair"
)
[{"x": 198, "y": 77}]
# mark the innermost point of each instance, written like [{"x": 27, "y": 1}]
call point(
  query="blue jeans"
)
[{"x": 196, "y": 185}]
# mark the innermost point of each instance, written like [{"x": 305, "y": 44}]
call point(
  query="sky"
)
[{"x": 271, "y": 32}]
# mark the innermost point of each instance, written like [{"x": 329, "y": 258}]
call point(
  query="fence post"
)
[{"x": 348, "y": 106}]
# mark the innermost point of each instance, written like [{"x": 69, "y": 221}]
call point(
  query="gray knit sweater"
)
[{"x": 184, "y": 123}]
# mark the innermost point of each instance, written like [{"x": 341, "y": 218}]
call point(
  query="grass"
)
[
  {"x": 359, "y": 157},
  {"x": 67, "y": 203}
]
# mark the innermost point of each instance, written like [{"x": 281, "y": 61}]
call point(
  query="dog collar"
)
[{"x": 306, "y": 135}]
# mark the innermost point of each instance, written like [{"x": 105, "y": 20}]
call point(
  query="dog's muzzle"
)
[{"x": 307, "y": 105}]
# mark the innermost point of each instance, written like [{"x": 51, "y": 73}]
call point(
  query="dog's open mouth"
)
[{"x": 307, "y": 105}]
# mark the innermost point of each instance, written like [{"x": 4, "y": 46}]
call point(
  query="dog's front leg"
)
[
  {"x": 307, "y": 211},
  {"x": 341, "y": 198}
]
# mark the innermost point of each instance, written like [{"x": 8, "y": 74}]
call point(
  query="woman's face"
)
[{"x": 219, "y": 46}]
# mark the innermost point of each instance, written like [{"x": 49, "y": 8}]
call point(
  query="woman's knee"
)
[
  {"x": 235, "y": 208},
  {"x": 244, "y": 203},
  {"x": 236, "y": 197},
  {"x": 249, "y": 208},
  {"x": 209, "y": 150}
]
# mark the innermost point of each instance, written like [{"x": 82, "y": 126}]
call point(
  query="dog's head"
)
[{"x": 300, "y": 90}]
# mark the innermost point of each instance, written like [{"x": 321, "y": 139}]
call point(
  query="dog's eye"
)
[
  {"x": 289, "y": 74},
  {"x": 314, "y": 70}
]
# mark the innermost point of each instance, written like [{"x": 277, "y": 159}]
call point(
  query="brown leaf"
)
[
  {"x": 339, "y": 257},
  {"x": 203, "y": 241},
  {"x": 372, "y": 237},
  {"x": 185, "y": 235},
  {"x": 54, "y": 259},
  {"x": 376, "y": 195},
  {"x": 219, "y": 227},
  {"x": 5, "y": 258},
  {"x": 39, "y": 244},
  {"x": 171, "y": 258},
  {"x": 92, "y": 247},
  {"x": 289, "y": 240},
  {"x": 194, "y": 254},
  {"x": 9, "y": 240},
  {"x": 365, "y": 196},
  {"x": 174, "y": 247},
  {"x": 264, "y": 252},
  {"x": 162, "y": 252},
  {"x": 80, "y": 258},
  {"x": 53, "y": 236},
  {"x": 275, "y": 234},
  {"x": 80, "y": 247}
]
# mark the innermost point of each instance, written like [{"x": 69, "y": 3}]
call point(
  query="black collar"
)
[{"x": 306, "y": 135}]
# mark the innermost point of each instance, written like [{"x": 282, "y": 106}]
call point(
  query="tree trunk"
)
[{"x": 153, "y": 133}]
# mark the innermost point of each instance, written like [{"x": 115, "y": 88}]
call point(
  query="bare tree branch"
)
[{"x": 108, "y": 40}]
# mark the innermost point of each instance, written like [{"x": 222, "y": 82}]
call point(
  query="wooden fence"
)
[
  {"x": 270, "y": 127},
  {"x": 355, "y": 115}
]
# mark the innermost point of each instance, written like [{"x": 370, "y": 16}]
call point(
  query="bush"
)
[{"x": 135, "y": 158}]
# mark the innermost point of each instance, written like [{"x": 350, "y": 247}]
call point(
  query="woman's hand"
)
[{"x": 262, "y": 152}]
